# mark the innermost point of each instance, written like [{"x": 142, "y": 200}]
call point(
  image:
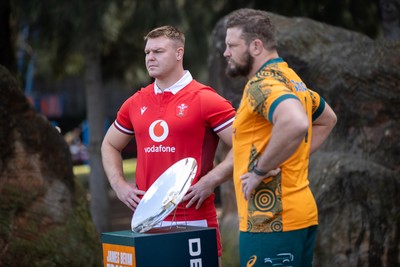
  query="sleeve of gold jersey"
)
[
  {"x": 264, "y": 97},
  {"x": 318, "y": 104}
]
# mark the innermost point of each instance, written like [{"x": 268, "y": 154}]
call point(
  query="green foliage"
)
[
  {"x": 20, "y": 197},
  {"x": 118, "y": 27},
  {"x": 229, "y": 235},
  {"x": 68, "y": 245},
  {"x": 14, "y": 199},
  {"x": 59, "y": 29},
  {"x": 72, "y": 243},
  {"x": 356, "y": 15}
]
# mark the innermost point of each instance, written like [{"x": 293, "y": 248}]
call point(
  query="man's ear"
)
[
  {"x": 256, "y": 47},
  {"x": 179, "y": 53}
]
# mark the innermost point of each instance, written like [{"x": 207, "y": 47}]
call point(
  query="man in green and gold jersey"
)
[{"x": 278, "y": 124}]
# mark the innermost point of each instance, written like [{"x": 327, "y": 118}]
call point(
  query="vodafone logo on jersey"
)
[{"x": 158, "y": 131}]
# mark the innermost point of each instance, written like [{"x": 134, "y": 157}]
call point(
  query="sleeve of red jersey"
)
[
  {"x": 123, "y": 122},
  {"x": 217, "y": 111}
]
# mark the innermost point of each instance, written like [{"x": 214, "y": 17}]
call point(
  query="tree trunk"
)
[
  {"x": 98, "y": 186},
  {"x": 390, "y": 14},
  {"x": 6, "y": 51}
]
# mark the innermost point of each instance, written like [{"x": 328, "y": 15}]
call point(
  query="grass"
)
[{"x": 81, "y": 172}]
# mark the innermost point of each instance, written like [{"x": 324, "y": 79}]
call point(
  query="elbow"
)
[
  {"x": 297, "y": 126},
  {"x": 300, "y": 128},
  {"x": 104, "y": 146},
  {"x": 330, "y": 117},
  {"x": 333, "y": 120},
  {"x": 303, "y": 127}
]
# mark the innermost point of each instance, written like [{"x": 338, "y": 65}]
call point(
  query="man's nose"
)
[
  {"x": 150, "y": 56},
  {"x": 227, "y": 53}
]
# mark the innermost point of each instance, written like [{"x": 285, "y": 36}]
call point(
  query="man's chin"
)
[
  {"x": 232, "y": 73},
  {"x": 152, "y": 74}
]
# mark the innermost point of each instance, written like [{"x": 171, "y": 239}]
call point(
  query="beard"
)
[{"x": 233, "y": 69}]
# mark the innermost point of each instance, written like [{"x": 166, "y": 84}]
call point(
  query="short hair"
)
[
  {"x": 255, "y": 24},
  {"x": 168, "y": 31}
]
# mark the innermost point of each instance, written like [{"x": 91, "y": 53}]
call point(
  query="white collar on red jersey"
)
[{"x": 176, "y": 87}]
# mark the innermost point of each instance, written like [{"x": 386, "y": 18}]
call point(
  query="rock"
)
[
  {"x": 44, "y": 215},
  {"x": 359, "y": 220}
]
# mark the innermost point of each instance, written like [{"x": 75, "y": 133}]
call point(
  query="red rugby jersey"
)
[{"x": 169, "y": 127}]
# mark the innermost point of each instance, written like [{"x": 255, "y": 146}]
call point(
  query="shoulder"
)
[
  {"x": 199, "y": 87},
  {"x": 202, "y": 90},
  {"x": 149, "y": 89},
  {"x": 143, "y": 91},
  {"x": 138, "y": 96}
]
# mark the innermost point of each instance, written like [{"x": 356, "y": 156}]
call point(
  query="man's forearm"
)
[
  {"x": 112, "y": 163},
  {"x": 319, "y": 134}
]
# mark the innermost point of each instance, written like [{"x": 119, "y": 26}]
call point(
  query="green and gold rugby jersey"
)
[{"x": 284, "y": 202}]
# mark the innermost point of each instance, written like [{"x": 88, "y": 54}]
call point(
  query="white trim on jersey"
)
[
  {"x": 223, "y": 125},
  {"x": 123, "y": 129}
]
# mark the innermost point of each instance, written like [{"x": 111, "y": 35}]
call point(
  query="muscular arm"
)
[
  {"x": 114, "y": 142},
  {"x": 218, "y": 175},
  {"x": 290, "y": 125},
  {"x": 322, "y": 127}
]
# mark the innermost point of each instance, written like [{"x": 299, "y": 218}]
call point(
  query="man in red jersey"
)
[{"x": 172, "y": 118}]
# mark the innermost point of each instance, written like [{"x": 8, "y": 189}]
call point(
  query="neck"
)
[
  {"x": 165, "y": 81},
  {"x": 260, "y": 61}
]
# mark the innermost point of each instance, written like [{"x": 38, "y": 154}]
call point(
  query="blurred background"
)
[
  {"x": 77, "y": 61},
  {"x": 49, "y": 45}
]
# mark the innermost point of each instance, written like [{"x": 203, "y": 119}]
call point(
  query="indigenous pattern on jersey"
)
[
  {"x": 283, "y": 202},
  {"x": 169, "y": 127}
]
